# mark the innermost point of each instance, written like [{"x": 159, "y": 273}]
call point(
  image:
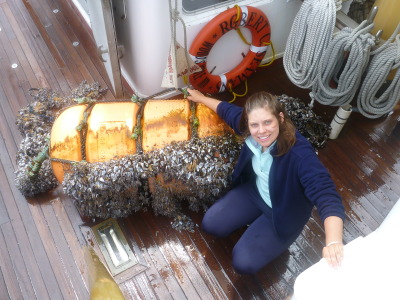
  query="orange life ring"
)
[{"x": 243, "y": 16}]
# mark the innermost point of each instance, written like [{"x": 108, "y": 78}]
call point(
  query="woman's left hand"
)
[{"x": 333, "y": 253}]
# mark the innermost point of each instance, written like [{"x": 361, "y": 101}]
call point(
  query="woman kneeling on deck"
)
[{"x": 276, "y": 182}]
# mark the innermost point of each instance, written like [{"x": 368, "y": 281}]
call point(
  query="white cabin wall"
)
[{"x": 146, "y": 37}]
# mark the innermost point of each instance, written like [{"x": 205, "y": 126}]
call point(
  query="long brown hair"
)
[{"x": 287, "y": 130}]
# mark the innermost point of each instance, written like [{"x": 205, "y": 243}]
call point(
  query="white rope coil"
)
[
  {"x": 343, "y": 63},
  {"x": 310, "y": 34},
  {"x": 386, "y": 59}
]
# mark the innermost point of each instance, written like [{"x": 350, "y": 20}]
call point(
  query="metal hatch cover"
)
[{"x": 123, "y": 259}]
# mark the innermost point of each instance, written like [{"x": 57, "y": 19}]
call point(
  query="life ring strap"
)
[
  {"x": 224, "y": 82},
  {"x": 256, "y": 49}
]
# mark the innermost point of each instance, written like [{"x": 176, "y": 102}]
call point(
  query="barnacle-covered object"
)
[
  {"x": 117, "y": 157},
  {"x": 34, "y": 123}
]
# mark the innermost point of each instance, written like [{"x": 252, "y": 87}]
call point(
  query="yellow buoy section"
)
[
  {"x": 108, "y": 134},
  {"x": 65, "y": 142},
  {"x": 387, "y": 17},
  {"x": 110, "y": 131},
  {"x": 164, "y": 122},
  {"x": 210, "y": 123},
  {"x": 110, "y": 126}
]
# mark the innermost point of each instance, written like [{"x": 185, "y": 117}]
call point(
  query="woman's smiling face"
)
[{"x": 264, "y": 126}]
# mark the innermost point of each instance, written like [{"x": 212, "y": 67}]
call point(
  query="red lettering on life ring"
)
[{"x": 250, "y": 17}]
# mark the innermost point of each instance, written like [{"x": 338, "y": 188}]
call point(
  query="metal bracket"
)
[{"x": 100, "y": 52}]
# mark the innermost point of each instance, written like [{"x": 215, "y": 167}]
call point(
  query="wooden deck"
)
[{"x": 41, "y": 239}]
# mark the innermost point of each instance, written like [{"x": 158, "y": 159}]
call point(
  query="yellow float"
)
[{"x": 111, "y": 126}]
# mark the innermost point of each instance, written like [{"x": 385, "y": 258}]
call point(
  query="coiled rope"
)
[
  {"x": 342, "y": 65},
  {"x": 385, "y": 59},
  {"x": 311, "y": 32}
]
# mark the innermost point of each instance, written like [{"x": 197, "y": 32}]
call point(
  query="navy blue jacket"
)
[{"x": 297, "y": 180}]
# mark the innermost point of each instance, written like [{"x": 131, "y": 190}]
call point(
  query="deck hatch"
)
[{"x": 114, "y": 246}]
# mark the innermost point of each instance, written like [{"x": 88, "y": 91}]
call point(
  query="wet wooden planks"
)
[{"x": 40, "y": 253}]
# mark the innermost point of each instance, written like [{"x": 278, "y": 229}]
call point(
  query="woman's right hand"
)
[
  {"x": 199, "y": 97},
  {"x": 195, "y": 96}
]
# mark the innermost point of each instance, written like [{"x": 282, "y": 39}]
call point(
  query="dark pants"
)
[{"x": 259, "y": 244}]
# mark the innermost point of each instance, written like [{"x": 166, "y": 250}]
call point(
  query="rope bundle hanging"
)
[
  {"x": 342, "y": 65},
  {"x": 310, "y": 34},
  {"x": 386, "y": 58}
]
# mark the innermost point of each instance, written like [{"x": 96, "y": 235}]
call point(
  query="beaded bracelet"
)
[{"x": 332, "y": 243}]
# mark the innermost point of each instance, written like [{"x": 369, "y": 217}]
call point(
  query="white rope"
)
[
  {"x": 342, "y": 66},
  {"x": 310, "y": 34},
  {"x": 386, "y": 58}
]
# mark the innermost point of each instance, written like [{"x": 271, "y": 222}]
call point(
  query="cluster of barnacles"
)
[
  {"x": 193, "y": 173},
  {"x": 310, "y": 125}
]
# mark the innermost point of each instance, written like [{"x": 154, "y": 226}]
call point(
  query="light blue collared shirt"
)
[{"x": 262, "y": 162}]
